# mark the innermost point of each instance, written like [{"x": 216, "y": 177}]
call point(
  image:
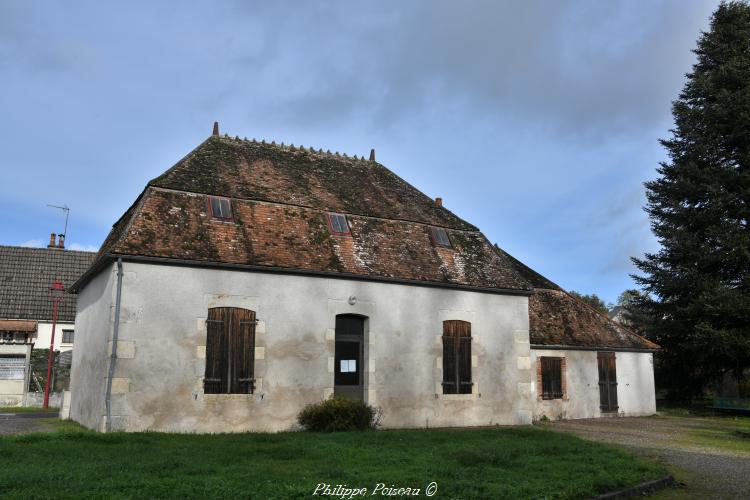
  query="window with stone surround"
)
[
  {"x": 220, "y": 208},
  {"x": 551, "y": 372},
  {"x": 230, "y": 351},
  {"x": 457, "y": 357}
]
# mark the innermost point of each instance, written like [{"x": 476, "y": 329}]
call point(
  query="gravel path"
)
[{"x": 707, "y": 470}]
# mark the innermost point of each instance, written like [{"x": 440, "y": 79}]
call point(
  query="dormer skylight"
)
[
  {"x": 439, "y": 237},
  {"x": 337, "y": 224},
  {"x": 220, "y": 208}
]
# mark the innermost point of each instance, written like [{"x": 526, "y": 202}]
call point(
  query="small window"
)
[
  {"x": 68, "y": 336},
  {"x": 348, "y": 366},
  {"x": 440, "y": 237},
  {"x": 337, "y": 224},
  {"x": 551, "y": 378},
  {"x": 221, "y": 208}
]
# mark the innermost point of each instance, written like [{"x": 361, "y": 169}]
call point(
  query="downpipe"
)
[{"x": 113, "y": 357}]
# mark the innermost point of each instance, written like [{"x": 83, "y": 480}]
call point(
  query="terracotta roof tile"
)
[{"x": 557, "y": 318}]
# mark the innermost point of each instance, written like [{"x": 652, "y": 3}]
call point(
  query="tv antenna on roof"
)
[{"x": 65, "y": 209}]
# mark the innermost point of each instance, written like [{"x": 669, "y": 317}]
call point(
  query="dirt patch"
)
[{"x": 704, "y": 453}]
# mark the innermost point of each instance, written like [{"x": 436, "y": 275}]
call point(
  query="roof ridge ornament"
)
[
  {"x": 216, "y": 129},
  {"x": 372, "y": 154}
]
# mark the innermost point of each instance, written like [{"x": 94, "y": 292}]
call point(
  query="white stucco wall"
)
[
  {"x": 158, "y": 379},
  {"x": 636, "y": 393},
  {"x": 635, "y": 385},
  {"x": 94, "y": 320},
  {"x": 43, "y": 336}
]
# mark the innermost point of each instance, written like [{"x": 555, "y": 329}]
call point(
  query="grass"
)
[
  {"x": 27, "y": 409},
  {"x": 469, "y": 463}
]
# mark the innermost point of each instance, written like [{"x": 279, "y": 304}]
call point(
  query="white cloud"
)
[
  {"x": 83, "y": 248},
  {"x": 33, "y": 244}
]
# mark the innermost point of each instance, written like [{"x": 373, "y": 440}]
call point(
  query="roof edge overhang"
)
[
  {"x": 590, "y": 348},
  {"x": 106, "y": 258},
  {"x": 18, "y": 325}
]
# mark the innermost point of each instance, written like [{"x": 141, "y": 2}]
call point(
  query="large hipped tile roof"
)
[{"x": 280, "y": 200}]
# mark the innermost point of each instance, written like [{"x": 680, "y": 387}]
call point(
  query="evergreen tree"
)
[
  {"x": 698, "y": 283},
  {"x": 593, "y": 300}
]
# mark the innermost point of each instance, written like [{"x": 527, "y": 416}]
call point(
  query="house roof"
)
[
  {"x": 281, "y": 197},
  {"x": 559, "y": 319},
  {"x": 26, "y": 275}
]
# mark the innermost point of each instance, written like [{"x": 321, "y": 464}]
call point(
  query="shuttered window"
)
[
  {"x": 456, "y": 357},
  {"x": 551, "y": 378},
  {"x": 230, "y": 351},
  {"x": 607, "y": 381},
  {"x": 12, "y": 367}
]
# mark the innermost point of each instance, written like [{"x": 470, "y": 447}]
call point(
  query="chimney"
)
[
  {"x": 372, "y": 155},
  {"x": 51, "y": 240},
  {"x": 61, "y": 241},
  {"x": 216, "y": 128},
  {"x": 439, "y": 202}
]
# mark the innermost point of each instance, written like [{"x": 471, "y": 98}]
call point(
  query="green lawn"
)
[
  {"x": 473, "y": 463},
  {"x": 27, "y": 409}
]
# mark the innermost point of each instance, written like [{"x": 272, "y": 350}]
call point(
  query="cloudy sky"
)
[{"x": 537, "y": 121}]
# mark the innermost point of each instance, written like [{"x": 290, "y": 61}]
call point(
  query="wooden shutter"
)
[
  {"x": 216, "y": 379},
  {"x": 456, "y": 357},
  {"x": 551, "y": 378},
  {"x": 242, "y": 351},
  {"x": 230, "y": 351},
  {"x": 607, "y": 381}
]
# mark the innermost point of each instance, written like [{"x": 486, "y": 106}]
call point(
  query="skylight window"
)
[
  {"x": 440, "y": 237},
  {"x": 337, "y": 224},
  {"x": 221, "y": 208}
]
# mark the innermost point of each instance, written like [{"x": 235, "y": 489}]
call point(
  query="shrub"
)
[{"x": 339, "y": 414}]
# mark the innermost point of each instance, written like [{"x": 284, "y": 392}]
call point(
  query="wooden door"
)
[
  {"x": 349, "y": 357},
  {"x": 607, "y": 381}
]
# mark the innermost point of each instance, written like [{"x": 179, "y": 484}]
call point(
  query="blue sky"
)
[{"x": 536, "y": 121}]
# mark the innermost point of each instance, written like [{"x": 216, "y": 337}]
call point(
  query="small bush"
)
[{"x": 338, "y": 414}]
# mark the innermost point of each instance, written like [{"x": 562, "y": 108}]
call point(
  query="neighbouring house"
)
[
  {"x": 26, "y": 276},
  {"x": 253, "y": 278}
]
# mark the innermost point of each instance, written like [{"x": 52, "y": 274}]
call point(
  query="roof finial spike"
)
[
  {"x": 372, "y": 155},
  {"x": 216, "y": 129}
]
